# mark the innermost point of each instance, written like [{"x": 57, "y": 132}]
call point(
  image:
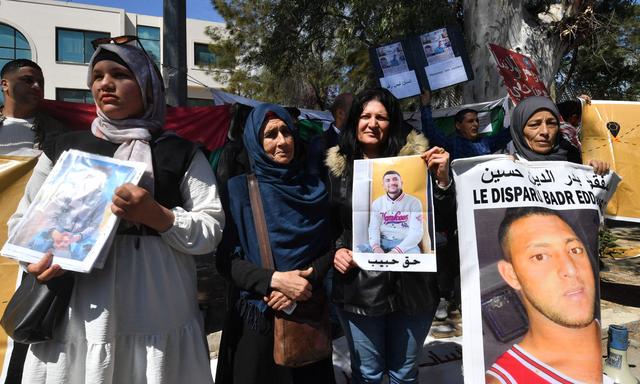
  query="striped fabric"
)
[{"x": 516, "y": 366}]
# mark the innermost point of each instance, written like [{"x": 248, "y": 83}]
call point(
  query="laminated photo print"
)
[
  {"x": 528, "y": 235},
  {"x": 393, "y": 224},
  {"x": 71, "y": 216}
]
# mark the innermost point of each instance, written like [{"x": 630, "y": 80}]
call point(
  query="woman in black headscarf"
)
[
  {"x": 295, "y": 208},
  {"x": 535, "y": 129}
]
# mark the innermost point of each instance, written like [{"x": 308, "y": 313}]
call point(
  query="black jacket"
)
[{"x": 377, "y": 293}]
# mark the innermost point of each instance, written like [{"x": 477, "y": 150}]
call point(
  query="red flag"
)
[
  {"x": 519, "y": 73},
  {"x": 204, "y": 125}
]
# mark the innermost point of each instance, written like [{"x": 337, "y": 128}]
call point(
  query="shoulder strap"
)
[{"x": 259, "y": 221}]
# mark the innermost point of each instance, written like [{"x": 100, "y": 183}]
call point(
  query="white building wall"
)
[{"x": 37, "y": 20}]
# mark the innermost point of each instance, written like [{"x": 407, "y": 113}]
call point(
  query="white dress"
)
[{"x": 137, "y": 319}]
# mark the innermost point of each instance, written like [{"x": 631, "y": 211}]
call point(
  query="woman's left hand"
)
[
  {"x": 437, "y": 160},
  {"x": 277, "y": 300},
  {"x": 136, "y": 204},
  {"x": 600, "y": 167}
]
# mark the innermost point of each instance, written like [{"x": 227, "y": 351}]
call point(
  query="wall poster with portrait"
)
[
  {"x": 71, "y": 214},
  {"x": 393, "y": 223},
  {"x": 528, "y": 235}
]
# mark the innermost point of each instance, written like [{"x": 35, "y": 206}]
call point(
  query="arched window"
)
[{"x": 13, "y": 45}]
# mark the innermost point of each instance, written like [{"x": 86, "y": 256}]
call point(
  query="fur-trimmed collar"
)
[{"x": 416, "y": 144}]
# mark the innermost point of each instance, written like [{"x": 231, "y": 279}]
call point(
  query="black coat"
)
[{"x": 377, "y": 293}]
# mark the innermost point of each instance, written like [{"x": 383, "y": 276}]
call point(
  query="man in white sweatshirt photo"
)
[{"x": 396, "y": 222}]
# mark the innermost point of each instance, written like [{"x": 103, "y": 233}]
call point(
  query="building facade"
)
[{"x": 57, "y": 35}]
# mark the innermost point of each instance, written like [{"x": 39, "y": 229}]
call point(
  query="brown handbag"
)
[{"x": 304, "y": 336}]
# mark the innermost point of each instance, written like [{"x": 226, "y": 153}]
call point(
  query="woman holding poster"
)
[
  {"x": 136, "y": 318},
  {"x": 385, "y": 315}
]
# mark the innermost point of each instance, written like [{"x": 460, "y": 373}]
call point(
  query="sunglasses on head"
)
[
  {"x": 119, "y": 40},
  {"x": 122, "y": 40}
]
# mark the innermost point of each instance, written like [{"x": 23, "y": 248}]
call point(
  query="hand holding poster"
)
[
  {"x": 393, "y": 224},
  {"x": 519, "y": 74},
  {"x": 433, "y": 60},
  {"x": 528, "y": 235},
  {"x": 71, "y": 214},
  {"x": 611, "y": 132}
]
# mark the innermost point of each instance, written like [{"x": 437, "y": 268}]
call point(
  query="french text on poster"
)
[
  {"x": 71, "y": 214},
  {"x": 561, "y": 206},
  {"x": 393, "y": 224}
]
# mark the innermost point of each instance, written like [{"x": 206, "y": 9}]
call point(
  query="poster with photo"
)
[
  {"x": 437, "y": 46},
  {"x": 433, "y": 60},
  {"x": 392, "y": 59},
  {"x": 445, "y": 60},
  {"x": 392, "y": 65},
  {"x": 393, "y": 223},
  {"x": 528, "y": 236},
  {"x": 71, "y": 214}
]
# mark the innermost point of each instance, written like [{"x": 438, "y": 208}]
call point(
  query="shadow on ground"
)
[{"x": 623, "y": 294}]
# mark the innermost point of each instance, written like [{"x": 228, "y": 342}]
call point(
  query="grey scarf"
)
[
  {"x": 134, "y": 134},
  {"x": 519, "y": 117}
]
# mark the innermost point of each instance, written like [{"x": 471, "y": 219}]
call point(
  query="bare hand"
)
[
  {"x": 425, "y": 97},
  {"x": 393, "y": 250},
  {"x": 437, "y": 160},
  {"x": 343, "y": 260},
  {"x": 293, "y": 284},
  {"x": 136, "y": 204},
  {"x": 277, "y": 300},
  {"x": 586, "y": 98},
  {"x": 43, "y": 270},
  {"x": 377, "y": 249},
  {"x": 600, "y": 167}
]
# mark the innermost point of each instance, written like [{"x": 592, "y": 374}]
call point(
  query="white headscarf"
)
[{"x": 133, "y": 134}]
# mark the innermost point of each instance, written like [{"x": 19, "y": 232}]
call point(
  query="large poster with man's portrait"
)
[
  {"x": 529, "y": 269},
  {"x": 393, "y": 224}
]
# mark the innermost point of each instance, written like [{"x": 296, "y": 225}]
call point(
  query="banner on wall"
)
[
  {"x": 14, "y": 174},
  {"x": 519, "y": 73},
  {"x": 393, "y": 223},
  {"x": 528, "y": 238},
  {"x": 611, "y": 132}
]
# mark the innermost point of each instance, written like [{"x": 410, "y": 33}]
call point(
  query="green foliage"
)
[
  {"x": 304, "y": 52},
  {"x": 607, "y": 64},
  {"x": 606, "y": 243}
]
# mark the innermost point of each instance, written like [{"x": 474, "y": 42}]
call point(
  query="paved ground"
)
[
  {"x": 620, "y": 290},
  {"x": 620, "y": 304}
]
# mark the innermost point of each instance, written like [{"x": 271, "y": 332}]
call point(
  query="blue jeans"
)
[
  {"x": 389, "y": 343},
  {"x": 386, "y": 245}
]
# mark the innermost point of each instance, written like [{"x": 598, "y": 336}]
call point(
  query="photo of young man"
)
[
  {"x": 550, "y": 268},
  {"x": 395, "y": 225}
]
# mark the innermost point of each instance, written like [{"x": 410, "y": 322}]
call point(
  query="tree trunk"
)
[{"x": 508, "y": 24}]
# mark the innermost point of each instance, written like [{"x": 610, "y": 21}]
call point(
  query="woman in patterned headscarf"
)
[{"x": 136, "y": 319}]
